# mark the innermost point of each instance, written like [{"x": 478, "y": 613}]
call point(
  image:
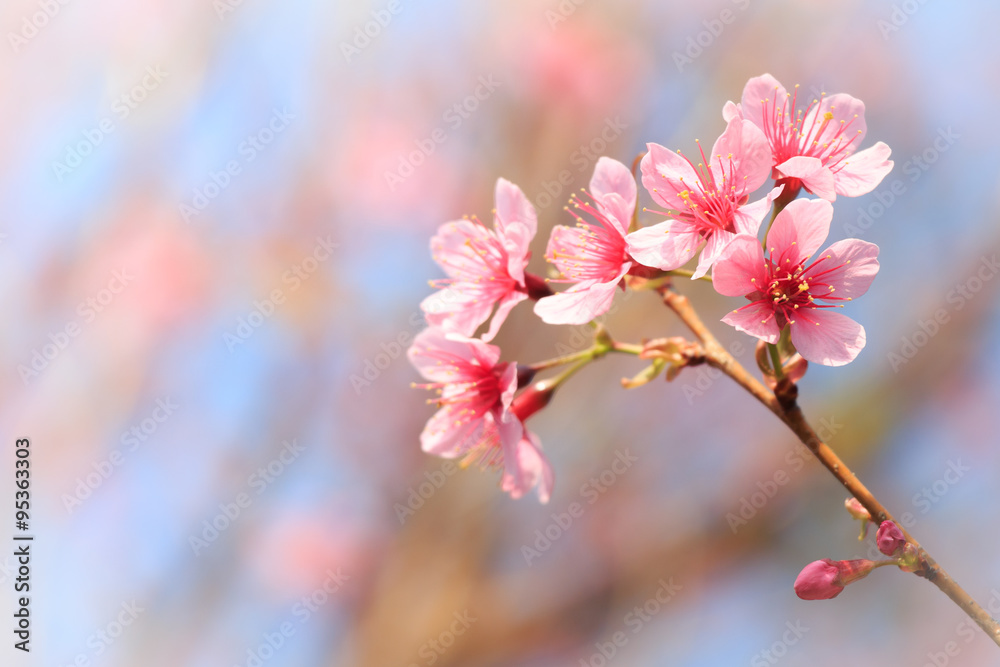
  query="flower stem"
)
[
  {"x": 562, "y": 361},
  {"x": 779, "y": 205},
  {"x": 603, "y": 344},
  {"x": 779, "y": 372},
  {"x": 791, "y": 415}
]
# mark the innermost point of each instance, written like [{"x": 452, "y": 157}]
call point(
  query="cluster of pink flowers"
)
[{"x": 710, "y": 214}]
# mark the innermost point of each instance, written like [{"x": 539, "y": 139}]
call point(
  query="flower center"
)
[{"x": 806, "y": 132}]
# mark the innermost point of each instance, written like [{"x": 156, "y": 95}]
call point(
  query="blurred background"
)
[{"x": 213, "y": 246}]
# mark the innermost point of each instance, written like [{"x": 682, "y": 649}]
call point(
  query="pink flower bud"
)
[
  {"x": 532, "y": 399},
  {"x": 825, "y": 579},
  {"x": 890, "y": 538},
  {"x": 857, "y": 510}
]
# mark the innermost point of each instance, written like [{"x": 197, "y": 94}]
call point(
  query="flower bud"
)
[
  {"x": 532, "y": 399},
  {"x": 825, "y": 579},
  {"x": 793, "y": 368},
  {"x": 857, "y": 510},
  {"x": 525, "y": 374},
  {"x": 890, "y": 538}
]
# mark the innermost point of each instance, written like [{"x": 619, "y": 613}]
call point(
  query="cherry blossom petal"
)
[
  {"x": 826, "y": 337},
  {"x": 530, "y": 470},
  {"x": 450, "y": 309},
  {"x": 516, "y": 238},
  {"x": 508, "y": 385},
  {"x": 618, "y": 211},
  {"x": 861, "y": 173},
  {"x": 852, "y": 265},
  {"x": 504, "y": 307},
  {"x": 430, "y": 345},
  {"x": 756, "y": 319},
  {"x": 665, "y": 174},
  {"x": 714, "y": 246},
  {"x": 799, "y": 231},
  {"x": 612, "y": 176},
  {"x": 758, "y": 91},
  {"x": 513, "y": 206},
  {"x": 741, "y": 155},
  {"x": 748, "y": 218},
  {"x": 739, "y": 270},
  {"x": 578, "y": 305},
  {"x": 845, "y": 128},
  {"x": 667, "y": 245},
  {"x": 815, "y": 176},
  {"x": 731, "y": 111},
  {"x": 447, "y": 435}
]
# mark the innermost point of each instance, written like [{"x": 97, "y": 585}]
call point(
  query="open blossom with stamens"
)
[
  {"x": 705, "y": 203},
  {"x": 485, "y": 266},
  {"x": 592, "y": 255},
  {"x": 786, "y": 289},
  {"x": 815, "y": 147},
  {"x": 476, "y": 418}
]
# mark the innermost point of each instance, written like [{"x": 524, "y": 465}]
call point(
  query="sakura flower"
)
[
  {"x": 704, "y": 203},
  {"x": 476, "y": 418},
  {"x": 485, "y": 267},
  {"x": 815, "y": 148},
  {"x": 592, "y": 255},
  {"x": 787, "y": 290}
]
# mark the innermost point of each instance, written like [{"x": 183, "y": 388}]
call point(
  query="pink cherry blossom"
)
[
  {"x": 476, "y": 418},
  {"x": 485, "y": 267},
  {"x": 816, "y": 148},
  {"x": 704, "y": 203},
  {"x": 592, "y": 255},
  {"x": 786, "y": 290}
]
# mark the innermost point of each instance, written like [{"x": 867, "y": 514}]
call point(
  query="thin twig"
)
[{"x": 791, "y": 414}]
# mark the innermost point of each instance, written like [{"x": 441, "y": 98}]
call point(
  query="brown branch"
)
[{"x": 789, "y": 412}]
